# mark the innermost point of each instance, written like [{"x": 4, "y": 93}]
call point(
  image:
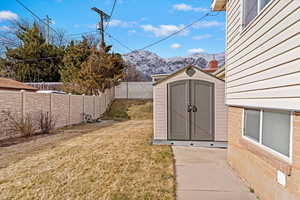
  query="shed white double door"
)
[{"x": 191, "y": 110}]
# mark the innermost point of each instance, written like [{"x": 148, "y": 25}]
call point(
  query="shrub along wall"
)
[{"x": 66, "y": 109}]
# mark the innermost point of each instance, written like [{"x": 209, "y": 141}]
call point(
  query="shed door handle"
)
[
  {"x": 195, "y": 108},
  {"x": 189, "y": 107}
]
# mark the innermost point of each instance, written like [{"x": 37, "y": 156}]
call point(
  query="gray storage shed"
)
[{"x": 189, "y": 108}]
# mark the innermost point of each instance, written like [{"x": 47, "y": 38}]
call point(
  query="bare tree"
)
[
  {"x": 9, "y": 39},
  {"x": 92, "y": 38}
]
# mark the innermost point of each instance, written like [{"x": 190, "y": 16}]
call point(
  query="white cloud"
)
[
  {"x": 120, "y": 23},
  {"x": 207, "y": 24},
  {"x": 201, "y": 37},
  {"x": 132, "y": 31},
  {"x": 186, "y": 7},
  {"x": 164, "y": 30},
  {"x": 7, "y": 15},
  {"x": 175, "y": 46},
  {"x": 197, "y": 50}
]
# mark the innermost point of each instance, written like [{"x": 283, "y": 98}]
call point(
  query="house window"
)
[
  {"x": 269, "y": 129},
  {"x": 276, "y": 131},
  {"x": 252, "y": 124},
  {"x": 251, "y": 9}
]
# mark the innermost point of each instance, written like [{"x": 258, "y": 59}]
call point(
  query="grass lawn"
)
[{"x": 116, "y": 162}]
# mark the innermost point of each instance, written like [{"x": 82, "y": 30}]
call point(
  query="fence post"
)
[
  {"x": 23, "y": 96},
  {"x": 51, "y": 107},
  {"x": 69, "y": 123},
  {"x": 94, "y": 107},
  {"x": 104, "y": 100},
  {"x": 114, "y": 92},
  {"x": 83, "y": 107},
  {"x": 127, "y": 92}
]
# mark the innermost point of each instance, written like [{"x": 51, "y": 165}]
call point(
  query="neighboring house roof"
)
[
  {"x": 9, "y": 84},
  {"x": 219, "y": 5},
  {"x": 220, "y": 72},
  {"x": 183, "y": 69}
]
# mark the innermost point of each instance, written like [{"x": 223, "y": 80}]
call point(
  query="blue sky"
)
[{"x": 136, "y": 23}]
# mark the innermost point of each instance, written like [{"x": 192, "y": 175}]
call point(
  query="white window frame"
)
[
  {"x": 259, "y": 144},
  {"x": 259, "y": 10}
]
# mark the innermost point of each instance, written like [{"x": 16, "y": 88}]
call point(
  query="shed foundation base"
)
[{"x": 212, "y": 144}]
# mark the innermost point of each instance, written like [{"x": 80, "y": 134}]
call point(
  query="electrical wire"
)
[
  {"x": 107, "y": 34},
  {"x": 177, "y": 32},
  {"x": 118, "y": 41},
  {"x": 111, "y": 14},
  {"x": 163, "y": 39},
  {"x": 36, "y": 16},
  {"x": 35, "y": 59},
  {"x": 76, "y": 34}
]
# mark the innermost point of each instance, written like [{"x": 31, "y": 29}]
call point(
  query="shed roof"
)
[
  {"x": 220, "y": 71},
  {"x": 183, "y": 69},
  {"x": 9, "y": 84}
]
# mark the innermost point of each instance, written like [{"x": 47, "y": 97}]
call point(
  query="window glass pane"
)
[
  {"x": 276, "y": 131},
  {"x": 250, "y": 10},
  {"x": 263, "y": 3},
  {"x": 252, "y": 122}
]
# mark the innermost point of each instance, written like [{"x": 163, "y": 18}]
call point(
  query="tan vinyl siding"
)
[
  {"x": 263, "y": 59},
  {"x": 160, "y": 105}
]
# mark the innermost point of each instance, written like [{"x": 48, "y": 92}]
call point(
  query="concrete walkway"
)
[{"x": 203, "y": 174}]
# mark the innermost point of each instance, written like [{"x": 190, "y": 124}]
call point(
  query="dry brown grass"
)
[
  {"x": 113, "y": 163},
  {"x": 141, "y": 112},
  {"x": 127, "y": 109},
  {"x": 15, "y": 149}
]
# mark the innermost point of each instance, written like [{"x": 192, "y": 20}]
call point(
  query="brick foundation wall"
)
[{"x": 259, "y": 167}]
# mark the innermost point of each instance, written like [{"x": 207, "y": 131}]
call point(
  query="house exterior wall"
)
[
  {"x": 258, "y": 167},
  {"x": 263, "y": 58},
  {"x": 160, "y": 108}
]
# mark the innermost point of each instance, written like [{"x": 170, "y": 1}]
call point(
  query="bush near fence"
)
[{"x": 66, "y": 109}]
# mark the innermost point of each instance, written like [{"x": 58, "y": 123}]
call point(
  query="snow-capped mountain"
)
[{"x": 148, "y": 63}]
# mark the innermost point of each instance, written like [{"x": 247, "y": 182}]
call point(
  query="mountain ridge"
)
[{"x": 147, "y": 63}]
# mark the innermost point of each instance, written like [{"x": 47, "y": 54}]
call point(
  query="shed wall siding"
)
[
  {"x": 263, "y": 59},
  {"x": 161, "y": 109}
]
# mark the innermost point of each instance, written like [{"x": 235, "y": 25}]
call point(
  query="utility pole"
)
[
  {"x": 103, "y": 17},
  {"x": 48, "y": 22}
]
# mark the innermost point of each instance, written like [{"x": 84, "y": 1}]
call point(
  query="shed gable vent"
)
[{"x": 190, "y": 71}]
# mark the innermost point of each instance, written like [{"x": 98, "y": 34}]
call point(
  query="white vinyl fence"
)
[{"x": 134, "y": 90}]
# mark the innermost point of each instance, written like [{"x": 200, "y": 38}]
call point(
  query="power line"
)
[
  {"x": 107, "y": 34},
  {"x": 111, "y": 13},
  {"x": 36, "y": 16},
  {"x": 123, "y": 45},
  {"x": 35, "y": 59},
  {"x": 161, "y": 40},
  {"x": 76, "y": 34},
  {"x": 177, "y": 32}
]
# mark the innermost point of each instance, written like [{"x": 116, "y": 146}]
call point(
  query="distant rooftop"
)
[{"x": 9, "y": 84}]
